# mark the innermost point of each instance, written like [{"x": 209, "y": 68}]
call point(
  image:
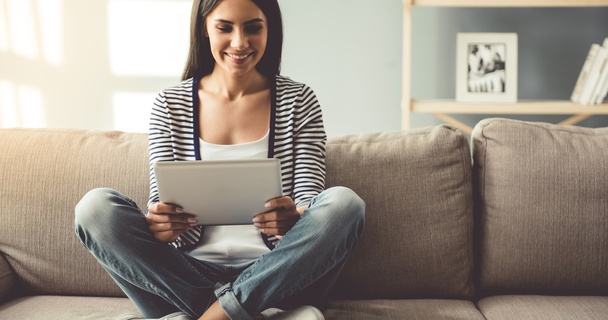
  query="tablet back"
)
[{"x": 219, "y": 192}]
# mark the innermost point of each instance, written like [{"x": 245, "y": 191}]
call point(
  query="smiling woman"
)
[{"x": 232, "y": 104}]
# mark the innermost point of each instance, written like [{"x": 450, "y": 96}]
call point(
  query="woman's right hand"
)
[{"x": 167, "y": 221}]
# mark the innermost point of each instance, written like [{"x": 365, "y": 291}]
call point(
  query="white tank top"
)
[{"x": 231, "y": 245}]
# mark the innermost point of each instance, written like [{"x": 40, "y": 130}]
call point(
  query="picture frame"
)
[{"x": 486, "y": 67}]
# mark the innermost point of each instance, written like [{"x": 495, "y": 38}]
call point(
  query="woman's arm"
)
[
  {"x": 309, "y": 167},
  {"x": 309, "y": 148},
  {"x": 159, "y": 141},
  {"x": 166, "y": 222}
]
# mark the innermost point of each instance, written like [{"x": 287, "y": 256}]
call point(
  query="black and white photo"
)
[{"x": 486, "y": 67}]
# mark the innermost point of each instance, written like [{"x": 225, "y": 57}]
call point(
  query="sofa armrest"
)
[{"x": 7, "y": 278}]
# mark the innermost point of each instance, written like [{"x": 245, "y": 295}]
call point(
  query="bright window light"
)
[
  {"x": 20, "y": 106},
  {"x": 8, "y": 105},
  {"x": 148, "y": 38},
  {"x": 31, "y": 107},
  {"x": 132, "y": 111},
  {"x": 3, "y": 27},
  {"x": 50, "y": 19},
  {"x": 21, "y": 28}
]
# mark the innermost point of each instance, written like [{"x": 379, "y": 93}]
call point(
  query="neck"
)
[{"x": 233, "y": 87}]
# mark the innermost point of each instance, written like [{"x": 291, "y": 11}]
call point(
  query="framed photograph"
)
[{"x": 486, "y": 67}]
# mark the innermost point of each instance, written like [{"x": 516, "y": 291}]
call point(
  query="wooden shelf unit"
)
[{"x": 441, "y": 108}]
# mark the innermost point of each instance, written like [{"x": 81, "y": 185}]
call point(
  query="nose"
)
[{"x": 239, "y": 40}]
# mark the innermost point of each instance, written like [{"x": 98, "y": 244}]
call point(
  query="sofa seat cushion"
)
[
  {"x": 417, "y": 189},
  {"x": 524, "y": 307},
  {"x": 68, "y": 307},
  {"x": 422, "y": 309}
]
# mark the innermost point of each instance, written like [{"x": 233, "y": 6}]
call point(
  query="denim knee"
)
[
  {"x": 345, "y": 210},
  {"x": 95, "y": 210}
]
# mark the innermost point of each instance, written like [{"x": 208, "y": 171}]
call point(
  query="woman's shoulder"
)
[
  {"x": 183, "y": 88},
  {"x": 178, "y": 96},
  {"x": 287, "y": 86},
  {"x": 285, "y": 81}
]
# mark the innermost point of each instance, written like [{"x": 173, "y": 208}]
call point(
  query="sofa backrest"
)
[
  {"x": 417, "y": 188},
  {"x": 542, "y": 209},
  {"x": 416, "y": 185},
  {"x": 43, "y": 175}
]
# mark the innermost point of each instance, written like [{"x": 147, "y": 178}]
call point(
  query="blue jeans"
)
[{"x": 160, "y": 279}]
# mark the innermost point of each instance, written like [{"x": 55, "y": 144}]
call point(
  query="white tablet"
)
[{"x": 219, "y": 192}]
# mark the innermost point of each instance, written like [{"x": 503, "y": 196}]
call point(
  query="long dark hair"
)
[{"x": 200, "y": 61}]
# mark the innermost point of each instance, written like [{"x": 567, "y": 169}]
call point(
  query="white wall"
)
[
  {"x": 349, "y": 52},
  {"x": 112, "y": 57},
  {"x": 97, "y": 64}
]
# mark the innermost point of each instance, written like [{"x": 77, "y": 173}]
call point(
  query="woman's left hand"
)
[{"x": 280, "y": 218}]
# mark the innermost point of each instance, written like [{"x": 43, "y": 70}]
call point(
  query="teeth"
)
[{"x": 238, "y": 57}]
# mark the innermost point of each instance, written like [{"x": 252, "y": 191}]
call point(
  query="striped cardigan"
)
[{"x": 297, "y": 139}]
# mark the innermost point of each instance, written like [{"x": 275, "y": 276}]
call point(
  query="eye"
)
[
  {"x": 253, "y": 29},
  {"x": 225, "y": 29}
]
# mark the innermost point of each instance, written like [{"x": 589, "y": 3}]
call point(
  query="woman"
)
[{"x": 231, "y": 104}]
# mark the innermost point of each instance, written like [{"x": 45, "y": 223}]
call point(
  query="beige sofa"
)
[{"x": 515, "y": 229}]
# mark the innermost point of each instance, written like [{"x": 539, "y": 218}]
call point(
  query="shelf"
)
[
  {"x": 443, "y": 108},
  {"x": 508, "y": 3},
  {"x": 522, "y": 107}
]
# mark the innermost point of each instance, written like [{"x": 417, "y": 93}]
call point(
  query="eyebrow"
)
[{"x": 246, "y": 22}]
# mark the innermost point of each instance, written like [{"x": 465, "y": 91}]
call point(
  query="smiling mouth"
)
[{"x": 239, "y": 56}]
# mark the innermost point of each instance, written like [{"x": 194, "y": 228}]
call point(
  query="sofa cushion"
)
[
  {"x": 418, "y": 194},
  {"x": 7, "y": 278},
  {"x": 63, "y": 308},
  {"x": 45, "y": 173},
  {"x": 422, "y": 309},
  {"x": 544, "y": 308},
  {"x": 542, "y": 210}
]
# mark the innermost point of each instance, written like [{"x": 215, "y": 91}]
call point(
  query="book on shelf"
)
[
  {"x": 589, "y": 87},
  {"x": 601, "y": 90},
  {"x": 582, "y": 77}
]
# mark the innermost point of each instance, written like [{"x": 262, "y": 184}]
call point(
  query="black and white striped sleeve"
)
[
  {"x": 309, "y": 148},
  {"x": 159, "y": 141}
]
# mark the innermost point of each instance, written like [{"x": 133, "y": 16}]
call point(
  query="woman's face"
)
[{"x": 238, "y": 33}]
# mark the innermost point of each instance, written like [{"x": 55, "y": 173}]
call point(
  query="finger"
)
[
  {"x": 274, "y": 231},
  {"x": 165, "y": 208},
  {"x": 270, "y": 216},
  {"x": 276, "y": 216},
  {"x": 282, "y": 202},
  {"x": 168, "y": 218},
  {"x": 276, "y": 224}
]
